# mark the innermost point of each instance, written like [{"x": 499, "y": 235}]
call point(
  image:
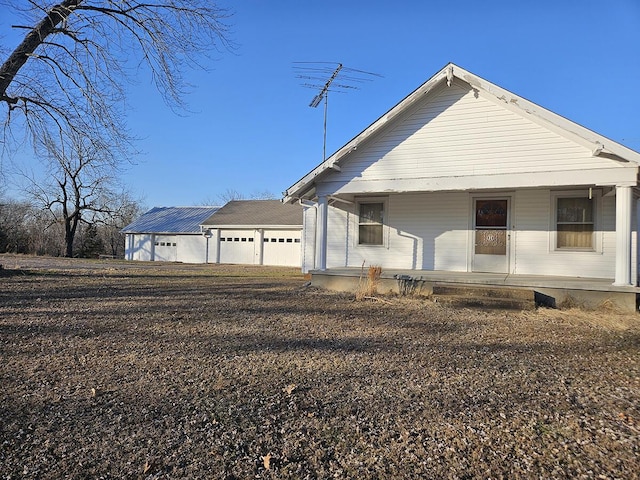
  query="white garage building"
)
[
  {"x": 169, "y": 234},
  {"x": 255, "y": 232}
]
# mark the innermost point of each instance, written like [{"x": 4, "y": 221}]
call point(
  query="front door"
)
[{"x": 491, "y": 235}]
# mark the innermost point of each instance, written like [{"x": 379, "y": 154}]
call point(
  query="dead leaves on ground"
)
[
  {"x": 172, "y": 375},
  {"x": 289, "y": 389}
]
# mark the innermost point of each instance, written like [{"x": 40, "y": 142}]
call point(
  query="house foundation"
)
[{"x": 554, "y": 292}]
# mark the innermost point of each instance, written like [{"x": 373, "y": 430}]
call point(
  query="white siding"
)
[
  {"x": 308, "y": 239},
  {"x": 430, "y": 231},
  {"x": 531, "y": 221},
  {"x": 338, "y": 236},
  {"x": 534, "y": 252},
  {"x": 456, "y": 133},
  {"x": 139, "y": 247},
  {"x": 423, "y": 231},
  {"x": 449, "y": 214}
]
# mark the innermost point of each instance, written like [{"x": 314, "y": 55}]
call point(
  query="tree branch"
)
[{"x": 32, "y": 40}]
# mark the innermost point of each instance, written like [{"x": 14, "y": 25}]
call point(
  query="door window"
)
[{"x": 491, "y": 227}]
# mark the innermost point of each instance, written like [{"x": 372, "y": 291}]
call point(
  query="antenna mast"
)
[
  {"x": 316, "y": 101},
  {"x": 318, "y": 71}
]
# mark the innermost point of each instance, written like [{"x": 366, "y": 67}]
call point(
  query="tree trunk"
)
[
  {"x": 68, "y": 238},
  {"x": 70, "y": 227},
  {"x": 34, "y": 38}
]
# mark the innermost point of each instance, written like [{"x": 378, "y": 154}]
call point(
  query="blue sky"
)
[{"x": 251, "y": 129}]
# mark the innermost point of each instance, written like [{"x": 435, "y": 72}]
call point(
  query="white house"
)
[
  {"x": 255, "y": 232},
  {"x": 464, "y": 176},
  {"x": 169, "y": 234}
]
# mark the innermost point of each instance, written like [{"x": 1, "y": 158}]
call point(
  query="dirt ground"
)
[{"x": 112, "y": 369}]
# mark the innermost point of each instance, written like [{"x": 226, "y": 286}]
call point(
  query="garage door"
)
[
  {"x": 282, "y": 247},
  {"x": 166, "y": 248},
  {"x": 237, "y": 246}
]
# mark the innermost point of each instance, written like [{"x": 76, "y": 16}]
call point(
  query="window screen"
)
[
  {"x": 370, "y": 222},
  {"x": 575, "y": 226}
]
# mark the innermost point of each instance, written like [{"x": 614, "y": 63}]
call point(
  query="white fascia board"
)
[
  {"x": 596, "y": 177},
  {"x": 254, "y": 227},
  {"x": 163, "y": 233}
]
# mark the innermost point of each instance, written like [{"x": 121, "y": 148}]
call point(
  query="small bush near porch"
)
[{"x": 118, "y": 370}]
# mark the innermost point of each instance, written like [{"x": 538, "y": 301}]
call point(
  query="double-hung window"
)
[
  {"x": 370, "y": 223},
  {"x": 575, "y": 223}
]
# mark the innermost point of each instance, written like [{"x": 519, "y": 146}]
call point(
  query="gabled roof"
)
[
  {"x": 171, "y": 220},
  {"x": 599, "y": 145},
  {"x": 255, "y": 213}
]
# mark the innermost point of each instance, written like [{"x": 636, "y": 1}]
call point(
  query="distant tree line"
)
[
  {"x": 28, "y": 229},
  {"x": 63, "y": 90}
]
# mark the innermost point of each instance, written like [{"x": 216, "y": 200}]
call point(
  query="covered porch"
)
[
  {"x": 623, "y": 211},
  {"x": 554, "y": 291}
]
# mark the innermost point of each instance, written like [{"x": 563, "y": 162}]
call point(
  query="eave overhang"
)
[
  {"x": 599, "y": 145},
  {"x": 249, "y": 227}
]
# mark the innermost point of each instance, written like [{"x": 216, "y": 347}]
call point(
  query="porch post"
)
[
  {"x": 321, "y": 233},
  {"x": 258, "y": 245},
  {"x": 624, "y": 199},
  {"x": 215, "y": 236},
  {"x": 152, "y": 250}
]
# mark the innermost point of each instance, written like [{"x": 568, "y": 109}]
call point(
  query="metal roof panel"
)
[{"x": 171, "y": 220}]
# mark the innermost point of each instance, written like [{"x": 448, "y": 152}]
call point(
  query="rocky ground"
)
[{"x": 110, "y": 369}]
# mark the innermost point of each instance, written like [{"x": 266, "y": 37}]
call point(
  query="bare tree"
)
[
  {"x": 29, "y": 229},
  {"x": 45, "y": 237},
  {"x": 263, "y": 195},
  {"x": 69, "y": 74},
  {"x": 80, "y": 179},
  {"x": 232, "y": 194},
  {"x": 124, "y": 209},
  {"x": 14, "y": 233}
]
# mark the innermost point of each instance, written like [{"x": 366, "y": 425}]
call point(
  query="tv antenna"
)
[{"x": 328, "y": 77}]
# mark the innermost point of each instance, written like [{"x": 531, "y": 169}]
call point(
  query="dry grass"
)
[
  {"x": 115, "y": 370},
  {"x": 368, "y": 286}
]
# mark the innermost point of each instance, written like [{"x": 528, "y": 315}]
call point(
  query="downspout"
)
[
  {"x": 321, "y": 234},
  {"x": 309, "y": 204}
]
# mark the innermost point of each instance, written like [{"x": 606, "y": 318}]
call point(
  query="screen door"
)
[{"x": 491, "y": 235}]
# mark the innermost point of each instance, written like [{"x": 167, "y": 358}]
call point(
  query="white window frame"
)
[
  {"x": 596, "y": 197},
  {"x": 385, "y": 221}
]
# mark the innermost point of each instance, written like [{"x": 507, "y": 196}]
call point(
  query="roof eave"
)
[
  {"x": 152, "y": 232},
  {"x": 598, "y": 143},
  {"x": 253, "y": 227}
]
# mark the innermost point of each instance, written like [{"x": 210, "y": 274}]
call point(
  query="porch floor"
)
[
  {"x": 578, "y": 291},
  {"x": 496, "y": 279}
]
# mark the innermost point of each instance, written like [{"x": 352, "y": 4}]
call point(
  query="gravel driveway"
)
[{"x": 115, "y": 369}]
